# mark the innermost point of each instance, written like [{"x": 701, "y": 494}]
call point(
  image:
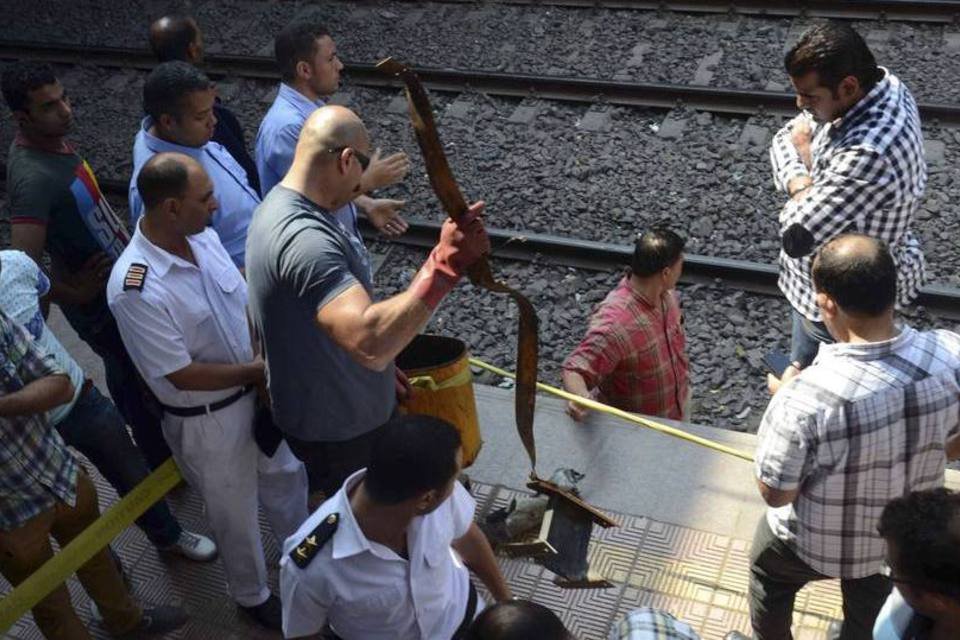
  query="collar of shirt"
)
[
  {"x": 159, "y": 259},
  {"x": 159, "y": 145},
  {"x": 868, "y": 350},
  {"x": 640, "y": 299},
  {"x": 65, "y": 148},
  {"x": 866, "y": 103},
  {"x": 303, "y": 105},
  {"x": 350, "y": 539}
]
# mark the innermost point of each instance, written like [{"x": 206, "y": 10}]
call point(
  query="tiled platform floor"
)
[{"x": 698, "y": 576}]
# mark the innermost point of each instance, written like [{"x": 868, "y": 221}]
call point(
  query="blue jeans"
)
[
  {"x": 96, "y": 429},
  {"x": 96, "y": 327},
  {"x": 806, "y": 338}
]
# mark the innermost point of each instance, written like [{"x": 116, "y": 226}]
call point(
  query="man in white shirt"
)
[
  {"x": 180, "y": 304},
  {"x": 387, "y": 556}
]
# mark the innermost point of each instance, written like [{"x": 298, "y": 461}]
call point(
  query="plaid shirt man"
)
[
  {"x": 634, "y": 353},
  {"x": 36, "y": 469},
  {"x": 647, "y": 623},
  {"x": 864, "y": 424},
  {"x": 869, "y": 176}
]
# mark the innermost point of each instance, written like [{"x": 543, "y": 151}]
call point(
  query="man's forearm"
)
[
  {"x": 574, "y": 383},
  {"x": 387, "y": 327},
  {"x": 363, "y": 202},
  {"x": 478, "y": 556},
  {"x": 206, "y": 376},
  {"x": 37, "y": 397}
]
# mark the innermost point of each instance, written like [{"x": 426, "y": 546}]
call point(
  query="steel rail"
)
[
  {"x": 748, "y": 275},
  {"x": 938, "y": 11},
  {"x": 745, "y": 275},
  {"x": 635, "y": 94}
]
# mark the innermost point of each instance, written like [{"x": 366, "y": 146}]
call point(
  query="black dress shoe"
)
[{"x": 269, "y": 613}]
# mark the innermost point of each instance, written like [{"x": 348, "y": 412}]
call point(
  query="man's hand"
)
[
  {"x": 402, "y": 385},
  {"x": 461, "y": 244},
  {"x": 383, "y": 172},
  {"x": 385, "y": 217},
  {"x": 801, "y": 136},
  {"x": 774, "y": 383},
  {"x": 576, "y": 411},
  {"x": 90, "y": 280}
]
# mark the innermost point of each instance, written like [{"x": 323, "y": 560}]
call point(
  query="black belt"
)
[{"x": 189, "y": 412}]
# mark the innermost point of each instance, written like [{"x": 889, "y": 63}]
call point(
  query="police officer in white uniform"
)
[
  {"x": 180, "y": 304},
  {"x": 386, "y": 557}
]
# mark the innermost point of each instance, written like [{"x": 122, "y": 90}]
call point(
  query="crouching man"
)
[{"x": 387, "y": 555}]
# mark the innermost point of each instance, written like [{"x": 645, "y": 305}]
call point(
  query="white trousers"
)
[{"x": 218, "y": 456}]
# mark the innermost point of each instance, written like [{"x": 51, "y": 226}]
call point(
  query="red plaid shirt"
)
[{"x": 634, "y": 353}]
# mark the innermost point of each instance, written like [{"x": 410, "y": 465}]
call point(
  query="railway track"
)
[
  {"x": 572, "y": 89},
  {"x": 747, "y": 275},
  {"x": 937, "y": 11}
]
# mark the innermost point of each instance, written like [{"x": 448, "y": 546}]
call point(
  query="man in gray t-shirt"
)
[{"x": 329, "y": 348}]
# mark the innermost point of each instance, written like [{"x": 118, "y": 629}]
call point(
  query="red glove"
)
[{"x": 460, "y": 246}]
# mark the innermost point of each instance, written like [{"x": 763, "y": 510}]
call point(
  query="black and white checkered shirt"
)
[
  {"x": 869, "y": 175},
  {"x": 863, "y": 424}
]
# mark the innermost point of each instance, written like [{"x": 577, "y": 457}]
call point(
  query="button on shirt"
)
[
  {"x": 864, "y": 424},
  {"x": 869, "y": 176},
  {"x": 278, "y": 134},
  {"x": 36, "y": 469},
  {"x": 365, "y": 590},
  {"x": 634, "y": 353},
  {"x": 185, "y": 313},
  {"x": 235, "y": 197}
]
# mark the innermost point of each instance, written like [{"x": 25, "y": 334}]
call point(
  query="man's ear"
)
[
  {"x": 193, "y": 52},
  {"x": 304, "y": 70},
  {"x": 171, "y": 207},
  {"x": 22, "y": 117},
  {"x": 827, "y": 305},
  {"x": 848, "y": 87},
  {"x": 166, "y": 121}
]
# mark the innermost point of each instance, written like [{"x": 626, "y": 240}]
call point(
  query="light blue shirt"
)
[
  {"x": 278, "y": 134},
  {"x": 22, "y": 284},
  {"x": 235, "y": 197}
]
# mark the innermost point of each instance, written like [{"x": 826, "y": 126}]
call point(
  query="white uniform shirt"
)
[
  {"x": 184, "y": 313},
  {"x": 365, "y": 590}
]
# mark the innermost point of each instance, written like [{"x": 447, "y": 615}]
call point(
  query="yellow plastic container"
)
[{"x": 443, "y": 387}]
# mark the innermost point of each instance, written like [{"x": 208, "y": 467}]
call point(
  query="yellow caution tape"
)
[
  {"x": 94, "y": 538},
  {"x": 625, "y": 415},
  {"x": 462, "y": 378}
]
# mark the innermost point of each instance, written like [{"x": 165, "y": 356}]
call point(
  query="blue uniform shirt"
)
[
  {"x": 278, "y": 134},
  {"x": 236, "y": 198}
]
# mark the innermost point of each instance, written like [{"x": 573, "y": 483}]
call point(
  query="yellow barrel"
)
[{"x": 443, "y": 387}]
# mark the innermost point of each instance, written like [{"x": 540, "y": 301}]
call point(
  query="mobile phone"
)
[{"x": 776, "y": 363}]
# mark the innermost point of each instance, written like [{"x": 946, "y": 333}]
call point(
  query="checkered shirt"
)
[
  {"x": 864, "y": 424},
  {"x": 36, "y": 469},
  {"x": 647, "y": 623},
  {"x": 634, "y": 353},
  {"x": 869, "y": 175}
]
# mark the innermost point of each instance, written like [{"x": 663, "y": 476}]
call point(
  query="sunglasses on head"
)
[{"x": 362, "y": 158}]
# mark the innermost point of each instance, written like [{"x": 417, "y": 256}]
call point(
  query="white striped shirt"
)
[
  {"x": 864, "y": 424},
  {"x": 869, "y": 176}
]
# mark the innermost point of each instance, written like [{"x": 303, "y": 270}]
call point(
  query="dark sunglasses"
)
[{"x": 362, "y": 158}]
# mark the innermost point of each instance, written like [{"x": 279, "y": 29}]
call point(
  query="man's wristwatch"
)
[{"x": 801, "y": 189}]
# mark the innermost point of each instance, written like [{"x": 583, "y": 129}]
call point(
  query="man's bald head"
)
[
  {"x": 176, "y": 37},
  {"x": 858, "y": 273},
  {"x": 165, "y": 175},
  {"x": 328, "y": 128}
]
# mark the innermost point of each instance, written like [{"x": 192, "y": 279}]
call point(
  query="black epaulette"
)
[
  {"x": 136, "y": 275},
  {"x": 304, "y": 552}
]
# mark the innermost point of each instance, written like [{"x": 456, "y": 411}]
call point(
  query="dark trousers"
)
[
  {"x": 329, "y": 464},
  {"x": 777, "y": 574},
  {"x": 806, "y": 336},
  {"x": 96, "y": 429},
  {"x": 129, "y": 392}
]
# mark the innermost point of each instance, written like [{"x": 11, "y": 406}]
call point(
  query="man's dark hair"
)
[
  {"x": 834, "y": 50},
  {"x": 518, "y": 620},
  {"x": 862, "y": 279},
  {"x": 163, "y": 176},
  {"x": 655, "y": 250},
  {"x": 173, "y": 41},
  {"x": 925, "y": 527},
  {"x": 167, "y": 86},
  {"x": 20, "y": 78},
  {"x": 296, "y": 43},
  {"x": 413, "y": 455}
]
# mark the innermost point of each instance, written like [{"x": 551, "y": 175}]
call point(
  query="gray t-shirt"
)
[{"x": 299, "y": 257}]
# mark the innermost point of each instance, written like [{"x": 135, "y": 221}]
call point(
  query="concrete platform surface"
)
[{"x": 685, "y": 514}]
